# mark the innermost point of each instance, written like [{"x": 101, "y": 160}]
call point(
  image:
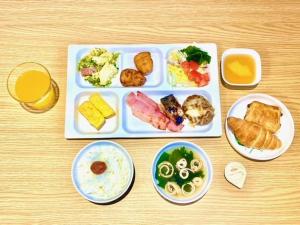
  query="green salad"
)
[
  {"x": 189, "y": 67},
  {"x": 99, "y": 67}
]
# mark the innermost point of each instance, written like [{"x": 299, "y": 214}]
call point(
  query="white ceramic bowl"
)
[
  {"x": 207, "y": 164},
  {"x": 86, "y": 149},
  {"x": 243, "y": 51}
]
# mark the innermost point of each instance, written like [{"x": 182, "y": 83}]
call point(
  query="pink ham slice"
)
[
  {"x": 173, "y": 127},
  {"x": 147, "y": 100},
  {"x": 149, "y": 111},
  {"x": 146, "y": 112},
  {"x": 87, "y": 71},
  {"x": 160, "y": 121},
  {"x": 139, "y": 108}
]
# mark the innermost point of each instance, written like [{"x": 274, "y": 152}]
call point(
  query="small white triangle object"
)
[{"x": 236, "y": 174}]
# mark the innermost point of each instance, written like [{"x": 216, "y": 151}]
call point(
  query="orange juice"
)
[
  {"x": 34, "y": 88},
  {"x": 32, "y": 85},
  {"x": 45, "y": 102}
]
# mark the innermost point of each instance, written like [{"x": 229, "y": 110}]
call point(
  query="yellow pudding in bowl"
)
[{"x": 241, "y": 67}]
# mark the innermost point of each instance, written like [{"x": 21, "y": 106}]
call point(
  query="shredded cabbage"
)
[
  {"x": 178, "y": 76},
  {"x": 176, "y": 57}
]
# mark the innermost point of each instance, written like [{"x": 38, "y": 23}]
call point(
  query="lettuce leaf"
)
[{"x": 196, "y": 54}]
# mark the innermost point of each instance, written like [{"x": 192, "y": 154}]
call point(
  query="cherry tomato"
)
[
  {"x": 198, "y": 80},
  {"x": 206, "y": 77},
  {"x": 185, "y": 66},
  {"x": 193, "y": 65},
  {"x": 190, "y": 69},
  {"x": 195, "y": 73},
  {"x": 202, "y": 83}
]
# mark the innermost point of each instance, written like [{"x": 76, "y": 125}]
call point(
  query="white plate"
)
[
  {"x": 86, "y": 150},
  {"x": 206, "y": 162},
  {"x": 285, "y": 133},
  {"x": 124, "y": 124}
]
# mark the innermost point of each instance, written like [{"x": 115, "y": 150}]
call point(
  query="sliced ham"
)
[
  {"x": 147, "y": 100},
  {"x": 135, "y": 103},
  {"x": 87, "y": 71},
  {"x": 131, "y": 99},
  {"x": 139, "y": 108},
  {"x": 159, "y": 120},
  {"x": 173, "y": 127},
  {"x": 149, "y": 111}
]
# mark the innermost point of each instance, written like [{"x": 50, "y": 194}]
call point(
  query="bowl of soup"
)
[
  {"x": 182, "y": 172},
  {"x": 241, "y": 67}
]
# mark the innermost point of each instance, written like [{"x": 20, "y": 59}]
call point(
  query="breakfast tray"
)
[{"x": 158, "y": 85}]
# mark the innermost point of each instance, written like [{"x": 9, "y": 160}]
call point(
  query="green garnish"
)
[
  {"x": 238, "y": 141},
  {"x": 173, "y": 156},
  {"x": 188, "y": 188},
  {"x": 195, "y": 54},
  {"x": 179, "y": 153}
]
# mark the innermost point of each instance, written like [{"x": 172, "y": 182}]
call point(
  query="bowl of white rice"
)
[{"x": 102, "y": 172}]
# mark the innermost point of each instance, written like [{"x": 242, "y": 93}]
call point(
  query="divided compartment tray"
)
[{"x": 158, "y": 85}]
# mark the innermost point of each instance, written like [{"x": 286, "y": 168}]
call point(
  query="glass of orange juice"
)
[{"x": 31, "y": 85}]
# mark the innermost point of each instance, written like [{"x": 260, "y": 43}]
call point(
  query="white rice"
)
[{"x": 108, "y": 184}]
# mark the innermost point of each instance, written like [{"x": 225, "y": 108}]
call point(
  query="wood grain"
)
[{"x": 35, "y": 159}]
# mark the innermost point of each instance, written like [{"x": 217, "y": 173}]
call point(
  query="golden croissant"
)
[{"x": 253, "y": 135}]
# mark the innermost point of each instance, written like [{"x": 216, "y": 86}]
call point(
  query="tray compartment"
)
[
  {"x": 155, "y": 78},
  {"x": 83, "y": 126},
  {"x": 85, "y": 84},
  {"x": 132, "y": 124},
  {"x": 169, "y": 76}
]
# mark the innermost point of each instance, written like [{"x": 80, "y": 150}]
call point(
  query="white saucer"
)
[{"x": 285, "y": 133}]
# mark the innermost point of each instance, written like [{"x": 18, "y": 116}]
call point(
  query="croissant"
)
[{"x": 252, "y": 135}]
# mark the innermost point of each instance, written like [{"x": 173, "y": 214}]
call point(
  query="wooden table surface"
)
[{"x": 35, "y": 158}]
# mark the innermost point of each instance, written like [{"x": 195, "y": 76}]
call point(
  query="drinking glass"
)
[{"x": 31, "y": 85}]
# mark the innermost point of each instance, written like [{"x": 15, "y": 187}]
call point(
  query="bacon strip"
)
[
  {"x": 87, "y": 71},
  {"x": 149, "y": 111}
]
